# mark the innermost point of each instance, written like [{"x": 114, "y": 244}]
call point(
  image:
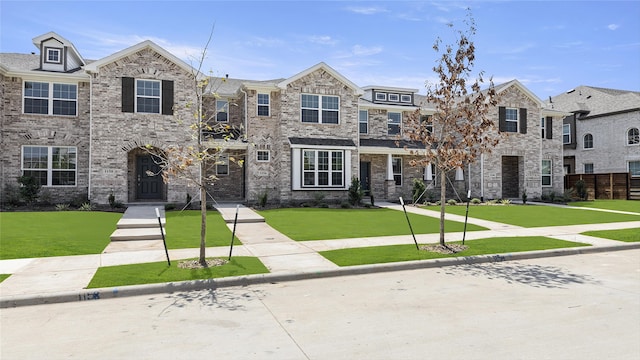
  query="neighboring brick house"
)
[
  {"x": 602, "y": 134},
  {"x": 79, "y": 125}
]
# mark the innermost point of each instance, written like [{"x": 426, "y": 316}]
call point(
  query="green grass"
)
[
  {"x": 4, "y": 276},
  {"x": 396, "y": 253},
  {"x": 183, "y": 230},
  {"x": 621, "y": 205},
  {"x": 319, "y": 224},
  {"x": 57, "y": 233},
  {"x": 537, "y": 215},
  {"x": 159, "y": 272},
  {"x": 628, "y": 235}
]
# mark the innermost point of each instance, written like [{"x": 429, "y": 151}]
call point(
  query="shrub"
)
[
  {"x": 11, "y": 195},
  {"x": 345, "y": 205},
  {"x": 62, "y": 207},
  {"x": 86, "y": 206},
  {"x": 475, "y": 201},
  {"x": 419, "y": 189},
  {"x": 452, "y": 202},
  {"x": 581, "y": 189},
  {"x": 355, "y": 192},
  {"x": 372, "y": 203},
  {"x": 29, "y": 188},
  {"x": 524, "y": 197},
  {"x": 505, "y": 202},
  {"x": 262, "y": 198}
]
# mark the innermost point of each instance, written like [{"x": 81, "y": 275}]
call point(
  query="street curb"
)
[{"x": 194, "y": 285}]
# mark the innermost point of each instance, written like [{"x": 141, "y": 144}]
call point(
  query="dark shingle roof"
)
[
  {"x": 321, "y": 141},
  {"x": 595, "y": 101}
]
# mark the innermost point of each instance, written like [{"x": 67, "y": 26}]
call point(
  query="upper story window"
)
[
  {"x": 50, "y": 98},
  {"x": 405, "y": 98},
  {"x": 393, "y": 123},
  {"x": 566, "y": 134},
  {"x": 147, "y": 96},
  {"x": 633, "y": 136},
  {"x": 50, "y": 165},
  {"x": 512, "y": 120},
  {"x": 381, "y": 96},
  {"x": 263, "y": 104},
  {"x": 543, "y": 127},
  {"x": 587, "y": 141},
  {"x": 427, "y": 123},
  {"x": 394, "y": 97},
  {"x": 222, "y": 110},
  {"x": 54, "y": 55},
  {"x": 320, "y": 109},
  {"x": 363, "y": 120}
]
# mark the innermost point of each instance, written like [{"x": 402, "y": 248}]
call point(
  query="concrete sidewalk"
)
[{"x": 42, "y": 280}]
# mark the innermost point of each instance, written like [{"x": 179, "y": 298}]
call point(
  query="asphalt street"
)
[{"x": 570, "y": 307}]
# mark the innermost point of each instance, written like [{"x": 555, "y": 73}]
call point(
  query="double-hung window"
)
[
  {"x": 543, "y": 123},
  {"x": 222, "y": 111},
  {"x": 427, "y": 124},
  {"x": 397, "y": 170},
  {"x": 363, "y": 120},
  {"x": 50, "y": 165},
  {"x": 263, "y": 104},
  {"x": 50, "y": 98},
  {"x": 222, "y": 165},
  {"x": 393, "y": 123},
  {"x": 148, "y": 96},
  {"x": 566, "y": 134},
  {"x": 588, "y": 168},
  {"x": 320, "y": 109},
  {"x": 322, "y": 168},
  {"x": 546, "y": 172},
  {"x": 511, "y": 120}
]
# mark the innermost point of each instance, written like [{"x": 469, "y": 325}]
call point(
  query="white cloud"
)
[
  {"x": 371, "y": 10},
  {"x": 322, "y": 39},
  {"x": 613, "y": 26},
  {"x": 359, "y": 50}
]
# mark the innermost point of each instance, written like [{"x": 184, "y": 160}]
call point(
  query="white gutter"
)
[
  {"x": 482, "y": 176},
  {"x": 90, "y": 135}
]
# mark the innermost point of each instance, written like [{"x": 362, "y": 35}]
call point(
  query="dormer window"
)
[
  {"x": 381, "y": 96},
  {"x": 405, "y": 98},
  {"x": 53, "y": 55},
  {"x": 394, "y": 97}
]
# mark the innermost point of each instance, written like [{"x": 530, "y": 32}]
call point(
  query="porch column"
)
[{"x": 389, "y": 167}]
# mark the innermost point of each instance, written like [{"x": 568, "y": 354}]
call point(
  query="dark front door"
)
[
  {"x": 365, "y": 176},
  {"x": 149, "y": 179},
  {"x": 510, "y": 177}
]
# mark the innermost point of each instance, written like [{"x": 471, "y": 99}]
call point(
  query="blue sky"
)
[{"x": 549, "y": 46}]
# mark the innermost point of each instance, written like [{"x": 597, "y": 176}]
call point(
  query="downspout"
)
[
  {"x": 246, "y": 134},
  {"x": 90, "y": 135}
]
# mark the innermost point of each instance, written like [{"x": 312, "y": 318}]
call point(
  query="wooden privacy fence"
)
[{"x": 606, "y": 186}]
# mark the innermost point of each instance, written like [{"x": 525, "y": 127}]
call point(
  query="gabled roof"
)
[
  {"x": 515, "y": 83},
  {"x": 327, "y": 68},
  {"x": 52, "y": 35},
  {"x": 94, "y": 66}
]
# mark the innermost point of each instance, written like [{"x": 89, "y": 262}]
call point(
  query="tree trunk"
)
[
  {"x": 203, "y": 222},
  {"x": 443, "y": 202}
]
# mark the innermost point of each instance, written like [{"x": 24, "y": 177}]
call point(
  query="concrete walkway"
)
[{"x": 42, "y": 277}]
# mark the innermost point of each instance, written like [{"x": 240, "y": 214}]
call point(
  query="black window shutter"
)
[
  {"x": 127, "y": 94},
  {"x": 523, "y": 120},
  {"x": 167, "y": 97},
  {"x": 502, "y": 118},
  {"x": 548, "y": 128}
]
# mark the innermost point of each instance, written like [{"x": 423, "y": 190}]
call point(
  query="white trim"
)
[
  {"x": 268, "y": 152},
  {"x": 327, "y": 68},
  {"x": 49, "y": 50},
  {"x": 49, "y": 169},
  {"x": 268, "y": 104},
  {"x": 550, "y": 175},
  {"x": 297, "y": 169},
  {"x": 50, "y": 98},
  {"x": 136, "y": 96},
  {"x": 569, "y": 133}
]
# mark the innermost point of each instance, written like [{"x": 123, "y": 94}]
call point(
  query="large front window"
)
[
  {"x": 50, "y": 98},
  {"x": 393, "y": 123},
  {"x": 320, "y": 109},
  {"x": 148, "y": 96},
  {"x": 50, "y": 165},
  {"x": 546, "y": 172},
  {"x": 323, "y": 168}
]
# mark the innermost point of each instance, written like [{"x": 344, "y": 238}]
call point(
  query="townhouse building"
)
[{"x": 80, "y": 127}]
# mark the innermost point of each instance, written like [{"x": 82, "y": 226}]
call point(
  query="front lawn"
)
[
  {"x": 183, "y": 230},
  {"x": 628, "y": 235},
  {"x": 56, "y": 233},
  {"x": 320, "y": 224},
  {"x": 396, "y": 253},
  {"x": 620, "y": 205},
  {"x": 4, "y": 276},
  {"x": 159, "y": 272},
  {"x": 537, "y": 215}
]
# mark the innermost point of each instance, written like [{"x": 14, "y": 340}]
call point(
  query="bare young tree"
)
[
  {"x": 195, "y": 162},
  {"x": 460, "y": 129}
]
